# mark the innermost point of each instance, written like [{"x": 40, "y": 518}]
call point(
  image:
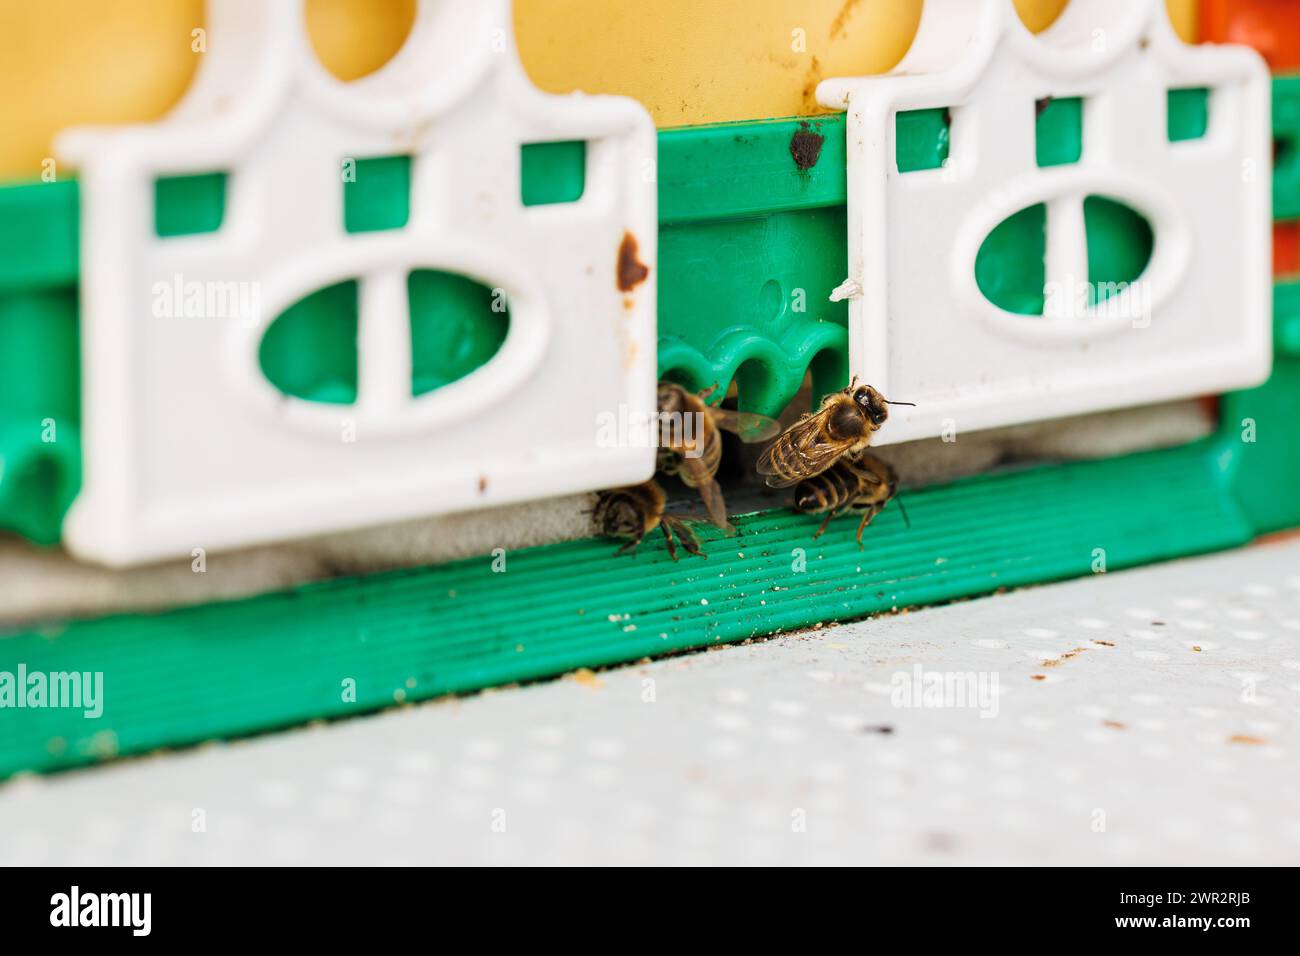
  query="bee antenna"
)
[
  {"x": 888, "y": 402},
  {"x": 906, "y": 520}
]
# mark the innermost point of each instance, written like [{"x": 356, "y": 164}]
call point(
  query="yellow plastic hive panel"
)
[{"x": 67, "y": 62}]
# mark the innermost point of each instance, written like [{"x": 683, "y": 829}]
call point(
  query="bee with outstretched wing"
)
[
  {"x": 842, "y": 426},
  {"x": 691, "y": 444}
]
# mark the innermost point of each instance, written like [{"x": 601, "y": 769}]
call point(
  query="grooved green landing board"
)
[{"x": 235, "y": 668}]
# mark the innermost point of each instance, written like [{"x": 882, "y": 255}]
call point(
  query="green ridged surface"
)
[
  {"x": 750, "y": 247},
  {"x": 227, "y": 669}
]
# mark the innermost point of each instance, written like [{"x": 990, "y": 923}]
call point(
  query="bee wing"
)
[
  {"x": 801, "y": 454},
  {"x": 709, "y": 491},
  {"x": 870, "y": 468},
  {"x": 750, "y": 426}
]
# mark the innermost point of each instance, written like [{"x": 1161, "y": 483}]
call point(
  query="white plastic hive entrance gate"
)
[
  {"x": 1197, "y": 319},
  {"x": 188, "y": 445}
]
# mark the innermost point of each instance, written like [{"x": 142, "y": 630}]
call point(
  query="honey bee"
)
[
  {"x": 860, "y": 483},
  {"x": 842, "y": 426},
  {"x": 693, "y": 453},
  {"x": 635, "y": 511}
]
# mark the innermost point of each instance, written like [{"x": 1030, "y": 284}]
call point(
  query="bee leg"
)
[
  {"x": 866, "y": 520},
  {"x": 687, "y": 538},
  {"x": 630, "y": 546},
  {"x": 668, "y": 537},
  {"x": 825, "y": 522}
]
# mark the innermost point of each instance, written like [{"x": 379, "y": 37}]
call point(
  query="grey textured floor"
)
[{"x": 1150, "y": 716}]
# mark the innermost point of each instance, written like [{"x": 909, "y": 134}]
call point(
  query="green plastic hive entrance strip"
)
[
  {"x": 349, "y": 646},
  {"x": 732, "y": 198}
]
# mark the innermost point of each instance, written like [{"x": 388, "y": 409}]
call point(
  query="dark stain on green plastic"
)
[
  {"x": 187, "y": 205},
  {"x": 1188, "y": 114},
  {"x": 310, "y": 350},
  {"x": 921, "y": 139},
  {"x": 1058, "y": 131},
  {"x": 376, "y": 193},
  {"x": 457, "y": 325},
  {"x": 806, "y": 146},
  {"x": 552, "y": 172}
]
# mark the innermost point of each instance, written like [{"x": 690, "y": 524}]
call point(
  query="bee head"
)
[
  {"x": 619, "y": 516},
  {"x": 671, "y": 398},
  {"x": 872, "y": 404}
]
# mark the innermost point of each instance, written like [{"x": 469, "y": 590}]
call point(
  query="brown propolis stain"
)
[
  {"x": 1038, "y": 677},
  {"x": 482, "y": 484},
  {"x": 1115, "y": 724},
  {"x": 1246, "y": 739},
  {"x": 842, "y": 18},
  {"x": 885, "y": 729},
  {"x": 1103, "y": 643},
  {"x": 814, "y": 77},
  {"x": 631, "y": 270},
  {"x": 1058, "y": 661},
  {"x": 806, "y": 147},
  {"x": 586, "y": 677}
]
